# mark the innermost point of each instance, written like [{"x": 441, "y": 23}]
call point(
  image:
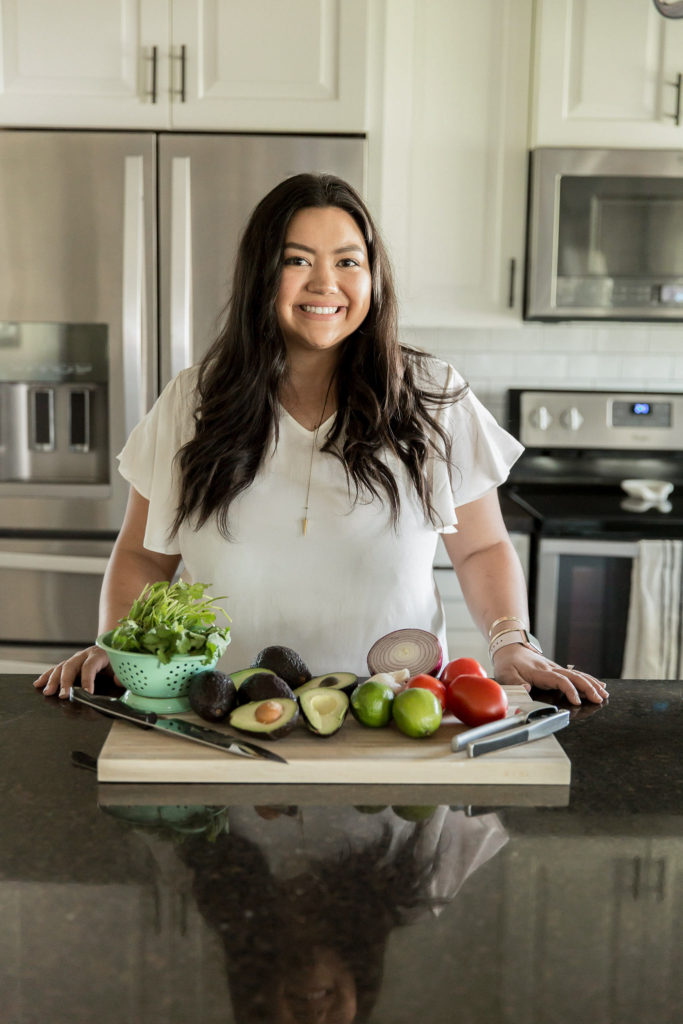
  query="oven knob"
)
[
  {"x": 541, "y": 418},
  {"x": 571, "y": 418}
]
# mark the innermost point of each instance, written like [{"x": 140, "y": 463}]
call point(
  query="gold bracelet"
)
[
  {"x": 505, "y": 618},
  {"x": 503, "y": 632}
]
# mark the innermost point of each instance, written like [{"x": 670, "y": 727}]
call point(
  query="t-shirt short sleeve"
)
[
  {"x": 147, "y": 459},
  {"x": 481, "y": 457}
]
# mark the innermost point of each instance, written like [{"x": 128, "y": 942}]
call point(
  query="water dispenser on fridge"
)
[{"x": 53, "y": 406}]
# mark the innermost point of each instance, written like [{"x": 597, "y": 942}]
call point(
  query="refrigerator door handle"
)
[
  {"x": 134, "y": 306},
  {"x": 46, "y": 562},
  {"x": 181, "y": 265}
]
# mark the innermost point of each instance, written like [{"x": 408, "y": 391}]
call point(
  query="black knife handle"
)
[{"x": 111, "y": 706}]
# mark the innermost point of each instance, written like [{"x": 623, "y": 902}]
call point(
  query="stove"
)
[{"x": 585, "y": 528}]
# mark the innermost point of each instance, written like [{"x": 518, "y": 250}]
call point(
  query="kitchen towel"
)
[{"x": 653, "y": 633}]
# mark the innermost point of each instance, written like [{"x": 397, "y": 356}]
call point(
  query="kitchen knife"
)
[
  {"x": 533, "y": 730},
  {"x": 537, "y": 709},
  {"x": 225, "y": 741}
]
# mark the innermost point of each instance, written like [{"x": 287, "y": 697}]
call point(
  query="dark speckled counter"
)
[{"x": 332, "y": 904}]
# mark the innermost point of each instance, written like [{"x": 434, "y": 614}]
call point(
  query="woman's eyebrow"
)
[{"x": 352, "y": 247}]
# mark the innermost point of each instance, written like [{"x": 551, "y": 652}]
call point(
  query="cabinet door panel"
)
[
  {"x": 452, "y": 191},
  {"x": 71, "y": 64},
  {"x": 297, "y": 65},
  {"x": 605, "y": 74}
]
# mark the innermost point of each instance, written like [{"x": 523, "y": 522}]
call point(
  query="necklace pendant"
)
[{"x": 305, "y": 525}]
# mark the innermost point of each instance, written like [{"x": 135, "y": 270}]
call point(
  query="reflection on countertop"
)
[{"x": 343, "y": 903}]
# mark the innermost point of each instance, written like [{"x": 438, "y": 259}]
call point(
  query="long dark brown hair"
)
[{"x": 385, "y": 401}]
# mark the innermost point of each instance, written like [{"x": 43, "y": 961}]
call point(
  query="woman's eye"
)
[
  {"x": 348, "y": 261},
  {"x": 295, "y": 261}
]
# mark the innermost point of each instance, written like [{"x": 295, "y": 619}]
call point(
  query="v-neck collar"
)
[{"x": 304, "y": 430}]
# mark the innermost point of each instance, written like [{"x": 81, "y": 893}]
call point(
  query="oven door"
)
[
  {"x": 582, "y": 601},
  {"x": 49, "y": 599}
]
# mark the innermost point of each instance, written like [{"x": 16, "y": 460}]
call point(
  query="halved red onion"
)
[{"x": 414, "y": 649}]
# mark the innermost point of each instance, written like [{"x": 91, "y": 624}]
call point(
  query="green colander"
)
[{"x": 150, "y": 684}]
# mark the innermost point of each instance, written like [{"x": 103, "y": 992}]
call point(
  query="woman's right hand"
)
[{"x": 60, "y": 678}]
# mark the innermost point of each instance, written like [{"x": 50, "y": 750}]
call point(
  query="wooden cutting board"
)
[{"x": 355, "y": 755}]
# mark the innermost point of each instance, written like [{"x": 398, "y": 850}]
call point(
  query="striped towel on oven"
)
[{"x": 653, "y": 648}]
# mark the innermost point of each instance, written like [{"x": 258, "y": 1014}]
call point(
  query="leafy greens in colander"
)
[{"x": 168, "y": 619}]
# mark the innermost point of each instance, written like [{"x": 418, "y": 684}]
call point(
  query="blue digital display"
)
[{"x": 641, "y": 408}]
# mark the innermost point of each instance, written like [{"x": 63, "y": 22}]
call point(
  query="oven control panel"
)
[{"x": 597, "y": 419}]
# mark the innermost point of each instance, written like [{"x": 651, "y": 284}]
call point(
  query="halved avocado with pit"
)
[
  {"x": 270, "y": 719},
  {"x": 344, "y": 681},
  {"x": 324, "y": 709}
]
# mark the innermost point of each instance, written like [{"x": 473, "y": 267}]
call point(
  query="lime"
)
[
  {"x": 371, "y": 703},
  {"x": 417, "y": 712}
]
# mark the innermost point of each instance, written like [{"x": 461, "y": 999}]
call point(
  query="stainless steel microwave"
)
[{"x": 605, "y": 235}]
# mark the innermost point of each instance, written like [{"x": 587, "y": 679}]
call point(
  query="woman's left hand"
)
[{"x": 516, "y": 665}]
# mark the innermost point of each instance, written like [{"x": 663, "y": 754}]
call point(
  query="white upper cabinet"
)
[
  {"x": 258, "y": 65},
  {"x": 83, "y": 65},
  {"x": 449, "y": 157},
  {"x": 607, "y": 73},
  {"x": 255, "y": 64}
]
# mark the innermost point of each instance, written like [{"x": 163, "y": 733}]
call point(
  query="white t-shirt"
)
[
  {"x": 454, "y": 845},
  {"x": 352, "y": 578}
]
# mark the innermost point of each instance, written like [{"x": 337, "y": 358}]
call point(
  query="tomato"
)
[
  {"x": 425, "y": 682},
  {"x": 462, "y": 667},
  {"x": 475, "y": 700}
]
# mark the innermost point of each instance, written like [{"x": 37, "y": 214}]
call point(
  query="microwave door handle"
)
[
  {"x": 181, "y": 266},
  {"x": 134, "y": 305}
]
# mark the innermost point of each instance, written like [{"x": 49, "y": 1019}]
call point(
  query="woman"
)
[
  {"x": 305, "y": 900},
  {"x": 307, "y": 467}
]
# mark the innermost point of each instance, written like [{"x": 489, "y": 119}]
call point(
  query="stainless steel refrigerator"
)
[{"x": 116, "y": 254}]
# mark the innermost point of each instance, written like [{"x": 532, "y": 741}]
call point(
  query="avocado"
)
[
  {"x": 414, "y": 813},
  {"x": 270, "y": 719},
  {"x": 243, "y": 674},
  {"x": 284, "y": 662},
  {"x": 324, "y": 709},
  {"x": 263, "y": 686},
  {"x": 335, "y": 680},
  {"x": 212, "y": 694}
]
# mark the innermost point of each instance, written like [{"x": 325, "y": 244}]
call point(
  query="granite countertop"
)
[{"x": 336, "y": 904}]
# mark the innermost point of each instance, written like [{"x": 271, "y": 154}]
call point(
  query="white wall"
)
[{"x": 591, "y": 355}]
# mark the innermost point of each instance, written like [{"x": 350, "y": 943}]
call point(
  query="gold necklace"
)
[{"x": 310, "y": 464}]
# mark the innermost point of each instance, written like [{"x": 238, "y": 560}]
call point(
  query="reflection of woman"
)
[
  {"x": 307, "y": 468},
  {"x": 304, "y": 904}
]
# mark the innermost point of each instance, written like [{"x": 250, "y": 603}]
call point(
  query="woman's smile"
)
[{"x": 322, "y": 310}]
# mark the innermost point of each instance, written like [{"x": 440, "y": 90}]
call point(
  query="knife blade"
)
[
  {"x": 533, "y": 730},
  {"x": 225, "y": 741}
]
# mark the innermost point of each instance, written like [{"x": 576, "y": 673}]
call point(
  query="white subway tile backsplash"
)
[
  {"x": 666, "y": 339},
  {"x": 586, "y": 355},
  {"x": 542, "y": 367},
  {"x": 648, "y": 366},
  {"x": 620, "y": 338}
]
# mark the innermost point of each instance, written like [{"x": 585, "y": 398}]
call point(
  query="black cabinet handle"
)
[
  {"x": 182, "y": 57},
  {"x": 153, "y": 59},
  {"x": 676, "y": 116},
  {"x": 511, "y": 284}
]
